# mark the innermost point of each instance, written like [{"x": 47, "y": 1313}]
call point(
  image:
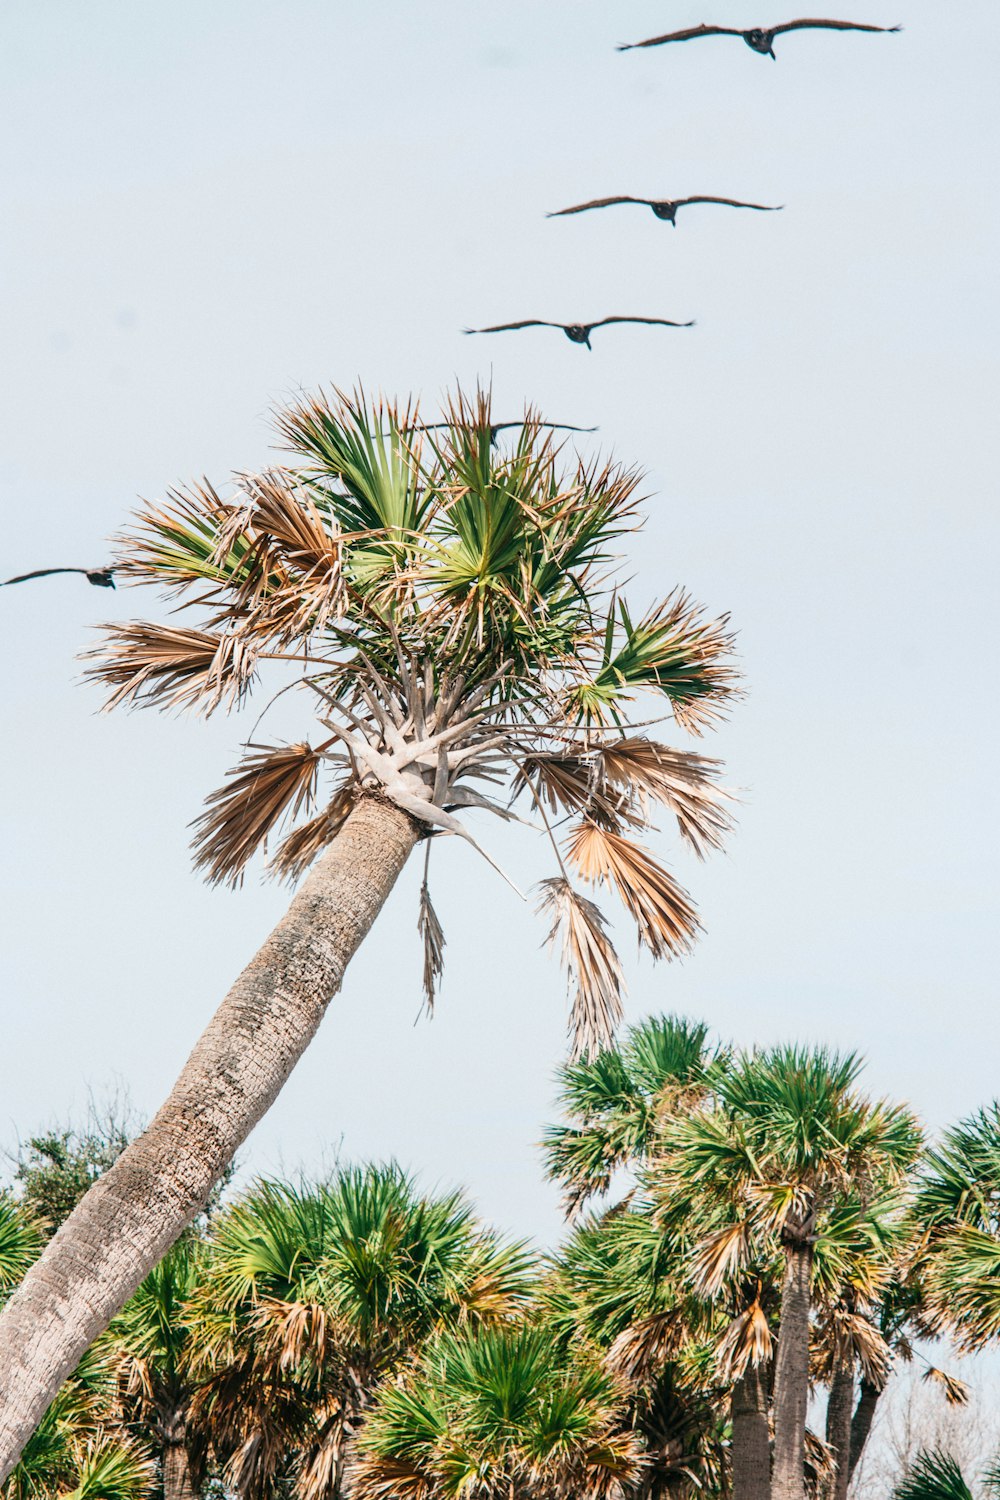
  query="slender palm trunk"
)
[
  {"x": 751, "y": 1449},
  {"x": 791, "y": 1373},
  {"x": 132, "y": 1215},
  {"x": 861, "y": 1423},
  {"x": 839, "y": 1411},
  {"x": 177, "y": 1480}
]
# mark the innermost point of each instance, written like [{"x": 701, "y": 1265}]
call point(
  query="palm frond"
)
[
  {"x": 956, "y": 1392},
  {"x": 747, "y": 1341},
  {"x": 682, "y": 781},
  {"x": 168, "y": 666},
  {"x": 591, "y": 963},
  {"x": 662, "y": 911},
  {"x": 933, "y": 1476},
  {"x": 432, "y": 935},
  {"x": 299, "y": 848},
  {"x": 270, "y": 782}
]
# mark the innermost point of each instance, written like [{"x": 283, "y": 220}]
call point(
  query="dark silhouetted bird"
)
[
  {"x": 759, "y": 38},
  {"x": 664, "y": 208},
  {"x": 101, "y": 578},
  {"x": 497, "y": 427},
  {"x": 577, "y": 333}
]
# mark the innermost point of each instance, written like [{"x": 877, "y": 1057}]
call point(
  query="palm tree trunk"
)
[
  {"x": 861, "y": 1423},
  {"x": 177, "y": 1480},
  {"x": 751, "y": 1447},
  {"x": 791, "y": 1374},
  {"x": 134, "y": 1212},
  {"x": 839, "y": 1410}
]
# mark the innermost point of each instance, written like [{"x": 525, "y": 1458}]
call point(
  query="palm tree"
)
[
  {"x": 448, "y": 608},
  {"x": 959, "y": 1203},
  {"x": 759, "y": 1174},
  {"x": 311, "y": 1296},
  {"x": 79, "y": 1450},
  {"x": 937, "y": 1476},
  {"x": 152, "y": 1336},
  {"x": 497, "y": 1413},
  {"x": 616, "y": 1099}
]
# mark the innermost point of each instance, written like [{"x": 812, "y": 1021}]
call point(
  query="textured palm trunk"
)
[
  {"x": 791, "y": 1374},
  {"x": 132, "y": 1215},
  {"x": 177, "y": 1480},
  {"x": 861, "y": 1423},
  {"x": 751, "y": 1448},
  {"x": 839, "y": 1411}
]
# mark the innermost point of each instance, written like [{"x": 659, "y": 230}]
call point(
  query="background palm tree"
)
[
  {"x": 959, "y": 1205},
  {"x": 312, "y": 1296},
  {"x": 450, "y": 611},
  {"x": 937, "y": 1476},
  {"x": 497, "y": 1412}
]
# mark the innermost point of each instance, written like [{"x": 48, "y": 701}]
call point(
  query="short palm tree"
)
[
  {"x": 153, "y": 1341},
  {"x": 937, "y": 1476},
  {"x": 312, "y": 1296},
  {"x": 767, "y": 1170},
  {"x": 452, "y": 616},
  {"x": 616, "y": 1099},
  {"x": 497, "y": 1413},
  {"x": 959, "y": 1206}
]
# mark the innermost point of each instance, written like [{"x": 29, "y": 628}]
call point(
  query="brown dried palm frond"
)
[
  {"x": 574, "y": 784},
  {"x": 172, "y": 667},
  {"x": 956, "y": 1392},
  {"x": 640, "y": 1352},
  {"x": 297, "y": 851},
  {"x": 720, "y": 1256},
  {"x": 382, "y": 1477},
  {"x": 662, "y": 911},
  {"x": 591, "y": 963},
  {"x": 294, "y": 581},
  {"x": 321, "y": 1467},
  {"x": 843, "y": 1336},
  {"x": 272, "y": 781},
  {"x": 289, "y": 1333},
  {"x": 432, "y": 936},
  {"x": 176, "y": 544},
  {"x": 747, "y": 1341},
  {"x": 819, "y": 1466},
  {"x": 681, "y": 780}
]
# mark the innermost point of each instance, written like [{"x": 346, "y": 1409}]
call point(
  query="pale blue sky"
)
[{"x": 210, "y": 206}]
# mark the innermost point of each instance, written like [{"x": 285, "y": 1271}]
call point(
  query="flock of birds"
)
[{"x": 759, "y": 39}]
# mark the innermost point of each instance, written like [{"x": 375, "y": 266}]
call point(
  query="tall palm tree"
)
[
  {"x": 152, "y": 1337},
  {"x": 452, "y": 617},
  {"x": 762, "y": 1172},
  {"x": 497, "y": 1413},
  {"x": 311, "y": 1296}
]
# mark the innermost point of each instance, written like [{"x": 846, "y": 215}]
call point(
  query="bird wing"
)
[
  {"x": 681, "y": 36},
  {"x": 579, "y": 208},
  {"x": 503, "y": 327},
  {"x": 732, "y": 203},
  {"x": 557, "y": 426},
  {"x": 666, "y": 322},
  {"x": 39, "y": 573},
  {"x": 829, "y": 26}
]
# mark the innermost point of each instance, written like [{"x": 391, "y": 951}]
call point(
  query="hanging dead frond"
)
[
  {"x": 720, "y": 1256},
  {"x": 172, "y": 667},
  {"x": 683, "y": 781},
  {"x": 591, "y": 963},
  {"x": 642, "y": 1351},
  {"x": 956, "y": 1392},
  {"x": 297, "y": 851},
  {"x": 747, "y": 1341},
  {"x": 432, "y": 936},
  {"x": 662, "y": 911},
  {"x": 273, "y": 780},
  {"x": 574, "y": 784}
]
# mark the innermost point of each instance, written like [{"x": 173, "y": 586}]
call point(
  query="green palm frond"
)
[
  {"x": 20, "y": 1243},
  {"x": 933, "y": 1476}
]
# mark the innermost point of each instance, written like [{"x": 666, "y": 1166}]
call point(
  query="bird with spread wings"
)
[
  {"x": 663, "y": 208},
  {"x": 102, "y": 578},
  {"x": 758, "y": 38},
  {"x": 577, "y": 333}
]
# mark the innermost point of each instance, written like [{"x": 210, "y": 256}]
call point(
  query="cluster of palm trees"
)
[{"x": 746, "y": 1229}]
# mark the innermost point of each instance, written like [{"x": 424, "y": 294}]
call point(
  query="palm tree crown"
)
[{"x": 449, "y": 609}]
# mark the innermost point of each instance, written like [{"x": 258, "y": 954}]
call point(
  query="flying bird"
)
[
  {"x": 664, "y": 208},
  {"x": 102, "y": 578},
  {"x": 577, "y": 333},
  {"x": 498, "y": 427},
  {"x": 759, "y": 38}
]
